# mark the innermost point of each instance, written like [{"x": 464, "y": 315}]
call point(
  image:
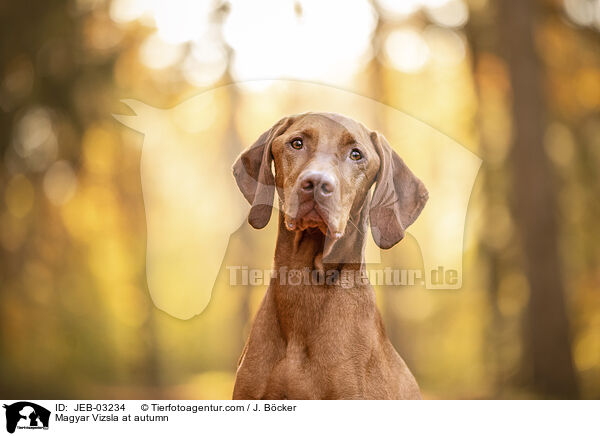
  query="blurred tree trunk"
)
[
  {"x": 534, "y": 202},
  {"x": 492, "y": 178}
]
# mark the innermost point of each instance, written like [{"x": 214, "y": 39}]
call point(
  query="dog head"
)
[{"x": 324, "y": 166}]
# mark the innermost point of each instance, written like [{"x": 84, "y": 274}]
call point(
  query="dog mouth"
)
[{"x": 311, "y": 215}]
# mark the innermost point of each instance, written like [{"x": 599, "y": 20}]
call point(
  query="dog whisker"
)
[{"x": 352, "y": 222}]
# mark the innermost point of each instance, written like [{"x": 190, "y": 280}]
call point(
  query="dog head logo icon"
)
[{"x": 26, "y": 415}]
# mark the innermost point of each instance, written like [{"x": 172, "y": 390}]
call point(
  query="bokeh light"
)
[{"x": 406, "y": 50}]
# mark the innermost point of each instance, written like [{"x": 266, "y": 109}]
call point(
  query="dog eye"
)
[
  {"x": 296, "y": 143},
  {"x": 355, "y": 154}
]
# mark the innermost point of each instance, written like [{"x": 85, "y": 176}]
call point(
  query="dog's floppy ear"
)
[
  {"x": 398, "y": 198},
  {"x": 254, "y": 177}
]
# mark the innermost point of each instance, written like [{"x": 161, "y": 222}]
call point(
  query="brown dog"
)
[{"x": 317, "y": 338}]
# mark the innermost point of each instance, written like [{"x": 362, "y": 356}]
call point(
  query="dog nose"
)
[{"x": 317, "y": 183}]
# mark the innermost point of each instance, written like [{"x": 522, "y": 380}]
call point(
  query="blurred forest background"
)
[{"x": 516, "y": 82}]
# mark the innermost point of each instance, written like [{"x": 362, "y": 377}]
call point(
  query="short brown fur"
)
[{"x": 325, "y": 341}]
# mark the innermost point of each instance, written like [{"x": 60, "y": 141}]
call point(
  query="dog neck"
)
[{"x": 299, "y": 261}]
